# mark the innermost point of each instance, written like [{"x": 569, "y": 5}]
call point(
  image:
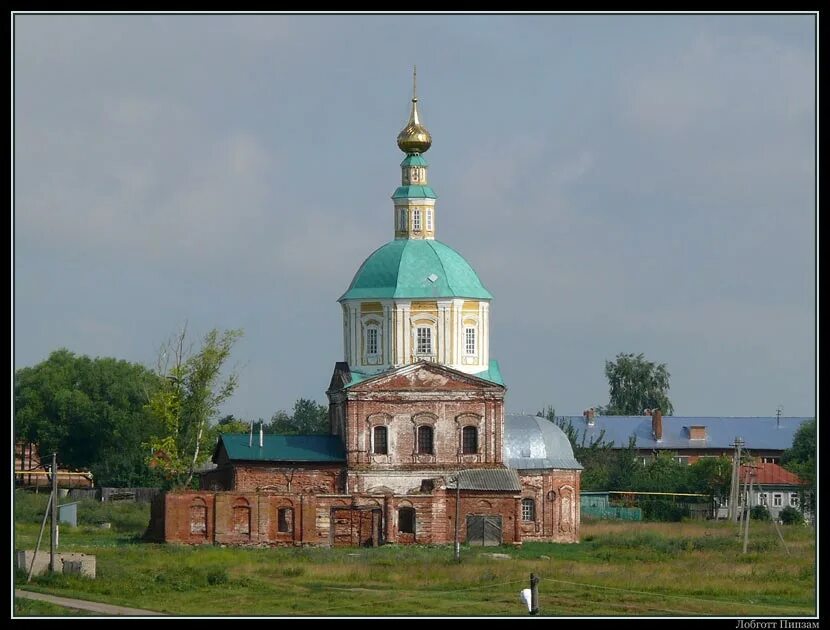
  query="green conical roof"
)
[{"x": 415, "y": 268}]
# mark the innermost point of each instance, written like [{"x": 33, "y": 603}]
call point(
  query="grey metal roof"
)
[
  {"x": 759, "y": 433},
  {"x": 532, "y": 443},
  {"x": 497, "y": 479}
]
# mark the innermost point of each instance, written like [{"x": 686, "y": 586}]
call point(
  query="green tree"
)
[
  {"x": 711, "y": 475},
  {"x": 192, "y": 392},
  {"x": 307, "y": 418},
  {"x": 800, "y": 458},
  {"x": 91, "y": 412},
  {"x": 635, "y": 384}
]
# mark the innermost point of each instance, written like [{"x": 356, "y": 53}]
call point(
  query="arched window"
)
[
  {"x": 528, "y": 510},
  {"x": 379, "y": 443},
  {"x": 469, "y": 440},
  {"x": 406, "y": 520},
  {"x": 285, "y": 520},
  {"x": 425, "y": 440}
]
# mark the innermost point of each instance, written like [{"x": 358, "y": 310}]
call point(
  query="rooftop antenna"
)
[{"x": 778, "y": 416}]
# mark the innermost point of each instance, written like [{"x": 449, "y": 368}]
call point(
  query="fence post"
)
[{"x": 534, "y": 594}]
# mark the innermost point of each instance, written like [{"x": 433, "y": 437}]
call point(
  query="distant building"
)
[
  {"x": 690, "y": 438},
  {"x": 30, "y": 472},
  {"x": 773, "y": 487}
]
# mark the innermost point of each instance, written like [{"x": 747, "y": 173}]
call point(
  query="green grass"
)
[{"x": 619, "y": 568}]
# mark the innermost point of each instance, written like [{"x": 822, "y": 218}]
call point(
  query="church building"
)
[{"x": 420, "y": 449}]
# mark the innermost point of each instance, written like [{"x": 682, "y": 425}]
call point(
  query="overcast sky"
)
[{"x": 620, "y": 183}]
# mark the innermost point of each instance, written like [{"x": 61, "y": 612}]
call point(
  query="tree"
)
[
  {"x": 711, "y": 475},
  {"x": 800, "y": 458},
  {"x": 193, "y": 390},
  {"x": 307, "y": 418},
  {"x": 91, "y": 412},
  {"x": 635, "y": 384}
]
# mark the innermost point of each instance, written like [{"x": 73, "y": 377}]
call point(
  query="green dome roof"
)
[{"x": 415, "y": 268}]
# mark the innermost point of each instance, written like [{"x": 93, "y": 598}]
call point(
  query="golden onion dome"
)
[{"x": 414, "y": 138}]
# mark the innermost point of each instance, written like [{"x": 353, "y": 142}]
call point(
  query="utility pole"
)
[
  {"x": 54, "y": 546},
  {"x": 534, "y": 594},
  {"x": 734, "y": 489},
  {"x": 748, "y": 518}
]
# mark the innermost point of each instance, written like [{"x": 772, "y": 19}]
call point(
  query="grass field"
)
[{"x": 618, "y": 569}]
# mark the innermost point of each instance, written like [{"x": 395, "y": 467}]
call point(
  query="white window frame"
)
[
  {"x": 415, "y": 175},
  {"x": 531, "y": 504},
  {"x": 366, "y": 337},
  {"x": 427, "y": 337},
  {"x": 467, "y": 338},
  {"x": 777, "y": 499},
  {"x": 416, "y": 219},
  {"x": 794, "y": 499},
  {"x": 429, "y": 219},
  {"x": 763, "y": 499}
]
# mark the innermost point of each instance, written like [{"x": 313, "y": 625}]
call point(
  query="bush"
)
[
  {"x": 790, "y": 516},
  {"x": 759, "y": 513}
]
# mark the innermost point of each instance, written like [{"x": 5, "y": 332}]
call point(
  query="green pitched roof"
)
[
  {"x": 284, "y": 448},
  {"x": 415, "y": 268},
  {"x": 414, "y": 192},
  {"x": 414, "y": 159},
  {"x": 492, "y": 374}
]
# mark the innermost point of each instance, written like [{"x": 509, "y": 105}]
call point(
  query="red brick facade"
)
[{"x": 419, "y": 415}]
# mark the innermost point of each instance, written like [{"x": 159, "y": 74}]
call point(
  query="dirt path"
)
[{"x": 82, "y": 604}]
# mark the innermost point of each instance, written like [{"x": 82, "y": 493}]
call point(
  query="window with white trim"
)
[
  {"x": 528, "y": 510},
  {"x": 416, "y": 219},
  {"x": 469, "y": 340},
  {"x": 777, "y": 499},
  {"x": 794, "y": 499},
  {"x": 763, "y": 498},
  {"x": 423, "y": 340},
  {"x": 429, "y": 219},
  {"x": 372, "y": 341}
]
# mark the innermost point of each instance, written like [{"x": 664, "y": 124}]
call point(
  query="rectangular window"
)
[
  {"x": 470, "y": 340},
  {"x": 681, "y": 459},
  {"x": 380, "y": 445},
  {"x": 469, "y": 440},
  {"x": 402, "y": 219},
  {"x": 424, "y": 341},
  {"x": 371, "y": 341},
  {"x": 416, "y": 219},
  {"x": 777, "y": 499},
  {"x": 763, "y": 499},
  {"x": 425, "y": 440},
  {"x": 794, "y": 499},
  {"x": 528, "y": 510},
  {"x": 429, "y": 219}
]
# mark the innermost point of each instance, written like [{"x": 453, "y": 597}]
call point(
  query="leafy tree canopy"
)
[
  {"x": 306, "y": 418},
  {"x": 635, "y": 384},
  {"x": 192, "y": 392},
  {"x": 91, "y": 412}
]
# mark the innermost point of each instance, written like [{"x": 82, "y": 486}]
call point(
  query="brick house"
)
[{"x": 420, "y": 449}]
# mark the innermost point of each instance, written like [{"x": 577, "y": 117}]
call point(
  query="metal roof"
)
[
  {"x": 760, "y": 433},
  {"x": 413, "y": 192},
  {"x": 494, "y": 479},
  {"x": 284, "y": 448},
  {"x": 414, "y": 159},
  {"x": 415, "y": 268},
  {"x": 533, "y": 443}
]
